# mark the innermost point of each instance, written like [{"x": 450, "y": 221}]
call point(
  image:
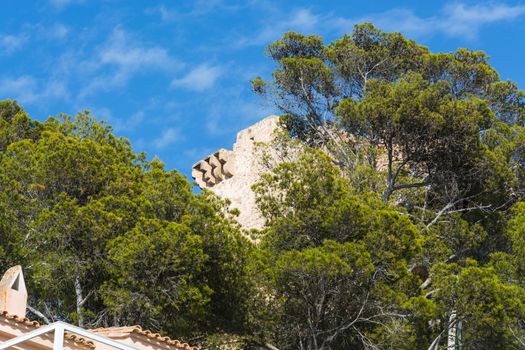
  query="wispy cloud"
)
[
  {"x": 122, "y": 124},
  {"x": 454, "y": 20},
  {"x": 101, "y": 113},
  {"x": 130, "y": 123},
  {"x": 121, "y": 51},
  {"x": 120, "y": 58},
  {"x": 168, "y": 137},
  {"x": 466, "y": 20},
  {"x": 10, "y": 43},
  {"x": 21, "y": 88},
  {"x": 232, "y": 108},
  {"x": 200, "y": 78},
  {"x": 60, "y": 4},
  {"x": 195, "y": 9},
  {"x": 27, "y": 90},
  {"x": 302, "y": 20},
  {"x": 56, "y": 31},
  {"x": 165, "y": 14}
]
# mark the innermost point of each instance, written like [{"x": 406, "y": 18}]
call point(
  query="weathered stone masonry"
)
[{"x": 230, "y": 174}]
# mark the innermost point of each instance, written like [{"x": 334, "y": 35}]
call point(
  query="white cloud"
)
[
  {"x": 101, "y": 113},
  {"x": 120, "y": 58},
  {"x": 11, "y": 43},
  {"x": 119, "y": 50},
  {"x": 60, "y": 4},
  {"x": 21, "y": 88},
  {"x": 55, "y": 89},
  {"x": 194, "y": 8},
  {"x": 231, "y": 109},
  {"x": 57, "y": 31},
  {"x": 128, "y": 124},
  {"x": 135, "y": 119},
  {"x": 165, "y": 14},
  {"x": 454, "y": 20},
  {"x": 302, "y": 20},
  {"x": 399, "y": 20},
  {"x": 119, "y": 124},
  {"x": 462, "y": 20},
  {"x": 200, "y": 78},
  {"x": 167, "y": 137},
  {"x": 27, "y": 90}
]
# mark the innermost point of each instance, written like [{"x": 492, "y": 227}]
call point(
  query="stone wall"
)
[{"x": 230, "y": 174}]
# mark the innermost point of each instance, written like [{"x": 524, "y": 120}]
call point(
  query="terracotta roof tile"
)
[
  {"x": 70, "y": 336},
  {"x": 119, "y": 331},
  {"x": 109, "y": 332}
]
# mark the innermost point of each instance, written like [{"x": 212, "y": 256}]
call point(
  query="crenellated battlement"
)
[
  {"x": 214, "y": 168},
  {"x": 230, "y": 174}
]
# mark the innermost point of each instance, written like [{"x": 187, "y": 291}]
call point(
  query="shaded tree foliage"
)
[
  {"x": 425, "y": 160},
  {"x": 401, "y": 224},
  {"x": 338, "y": 260},
  {"x": 109, "y": 238},
  {"x": 426, "y": 111}
]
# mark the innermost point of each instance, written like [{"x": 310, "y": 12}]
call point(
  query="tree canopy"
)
[
  {"x": 422, "y": 184},
  {"x": 109, "y": 238},
  {"x": 399, "y": 224}
]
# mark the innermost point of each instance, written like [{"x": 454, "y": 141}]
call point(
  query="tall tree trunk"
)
[
  {"x": 454, "y": 332},
  {"x": 80, "y": 301},
  {"x": 390, "y": 180}
]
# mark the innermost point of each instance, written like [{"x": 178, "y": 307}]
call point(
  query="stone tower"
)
[{"x": 230, "y": 174}]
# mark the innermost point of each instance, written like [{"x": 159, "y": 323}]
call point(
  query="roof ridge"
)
[{"x": 148, "y": 334}]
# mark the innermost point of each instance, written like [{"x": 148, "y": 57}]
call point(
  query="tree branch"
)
[
  {"x": 270, "y": 346},
  {"x": 412, "y": 185},
  {"x": 39, "y": 314},
  {"x": 521, "y": 341},
  {"x": 323, "y": 127}
]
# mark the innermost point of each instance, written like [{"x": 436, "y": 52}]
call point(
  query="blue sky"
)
[{"x": 173, "y": 76}]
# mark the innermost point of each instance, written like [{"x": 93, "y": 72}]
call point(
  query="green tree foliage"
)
[
  {"x": 425, "y": 110},
  {"x": 342, "y": 269},
  {"x": 109, "y": 238},
  {"x": 401, "y": 225},
  {"x": 490, "y": 309},
  {"x": 338, "y": 260},
  {"x": 425, "y": 173}
]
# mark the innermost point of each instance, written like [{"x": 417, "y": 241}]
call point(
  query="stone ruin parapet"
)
[
  {"x": 213, "y": 169},
  {"x": 230, "y": 174}
]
